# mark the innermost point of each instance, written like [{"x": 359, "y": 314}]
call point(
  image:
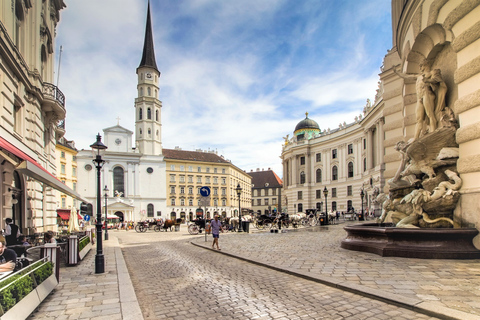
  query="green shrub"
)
[
  {"x": 83, "y": 243},
  {"x": 22, "y": 285}
]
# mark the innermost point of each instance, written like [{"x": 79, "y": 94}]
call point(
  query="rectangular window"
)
[
  {"x": 266, "y": 202},
  {"x": 349, "y": 190},
  {"x": 215, "y": 191},
  {"x": 274, "y": 192},
  {"x": 364, "y": 144},
  {"x": 74, "y": 186},
  {"x": 300, "y": 195},
  {"x": 274, "y": 201},
  {"x": 190, "y": 169},
  {"x": 350, "y": 148},
  {"x": 208, "y": 170},
  {"x": 190, "y": 202},
  {"x": 62, "y": 154},
  {"x": 182, "y": 168},
  {"x": 182, "y": 190},
  {"x": 74, "y": 158},
  {"x": 318, "y": 194},
  {"x": 214, "y": 170},
  {"x": 172, "y": 201},
  {"x": 74, "y": 172},
  {"x": 182, "y": 202},
  {"x": 224, "y": 191},
  {"x": 334, "y": 192},
  {"x": 224, "y": 202},
  {"x": 223, "y": 171},
  {"x": 334, "y": 154},
  {"x": 207, "y": 179},
  {"x": 172, "y": 167},
  {"x": 172, "y": 178},
  {"x": 190, "y": 179},
  {"x": 172, "y": 190},
  {"x": 63, "y": 168},
  {"x": 302, "y": 161},
  {"x": 199, "y": 169},
  {"x": 224, "y": 180},
  {"x": 182, "y": 178},
  {"x": 199, "y": 179},
  {"x": 365, "y": 164},
  {"x": 215, "y": 180},
  {"x": 318, "y": 157},
  {"x": 190, "y": 190},
  {"x": 259, "y": 202}
]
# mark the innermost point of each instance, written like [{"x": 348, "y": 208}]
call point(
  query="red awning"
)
[
  {"x": 33, "y": 169},
  {"x": 65, "y": 214}
]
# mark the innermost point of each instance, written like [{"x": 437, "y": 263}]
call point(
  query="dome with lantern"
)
[{"x": 306, "y": 127}]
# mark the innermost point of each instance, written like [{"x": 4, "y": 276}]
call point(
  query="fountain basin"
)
[{"x": 434, "y": 243}]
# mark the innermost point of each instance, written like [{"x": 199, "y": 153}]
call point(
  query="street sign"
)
[
  {"x": 86, "y": 217},
  {"x": 204, "y": 191}
]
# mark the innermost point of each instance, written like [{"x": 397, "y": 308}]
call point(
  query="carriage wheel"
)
[
  {"x": 156, "y": 228},
  {"x": 193, "y": 229},
  {"x": 259, "y": 225},
  {"x": 138, "y": 228}
]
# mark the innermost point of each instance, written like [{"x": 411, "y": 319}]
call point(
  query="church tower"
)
[{"x": 148, "y": 125}]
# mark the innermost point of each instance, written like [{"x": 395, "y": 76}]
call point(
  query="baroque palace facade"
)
[
  {"x": 32, "y": 116},
  {"x": 342, "y": 161}
]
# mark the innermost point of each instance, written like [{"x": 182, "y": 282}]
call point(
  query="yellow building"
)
[
  {"x": 188, "y": 171},
  {"x": 66, "y": 162}
]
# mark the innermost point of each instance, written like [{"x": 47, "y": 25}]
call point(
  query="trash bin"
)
[
  {"x": 246, "y": 226},
  {"x": 177, "y": 227}
]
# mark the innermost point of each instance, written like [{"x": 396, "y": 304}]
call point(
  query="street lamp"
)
[
  {"x": 99, "y": 162},
  {"x": 106, "y": 217},
  {"x": 362, "y": 194},
  {"x": 325, "y": 193},
  {"x": 239, "y": 192}
]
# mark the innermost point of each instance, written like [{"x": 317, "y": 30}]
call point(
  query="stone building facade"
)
[
  {"x": 32, "y": 116},
  {"x": 266, "y": 192},
  {"x": 188, "y": 171},
  {"x": 342, "y": 161},
  {"x": 67, "y": 172},
  {"x": 446, "y": 34}
]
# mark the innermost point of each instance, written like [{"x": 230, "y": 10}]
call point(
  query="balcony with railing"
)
[{"x": 54, "y": 100}]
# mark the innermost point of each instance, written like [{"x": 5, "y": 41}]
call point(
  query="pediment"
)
[{"x": 120, "y": 205}]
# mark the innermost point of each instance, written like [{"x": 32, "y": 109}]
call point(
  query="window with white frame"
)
[
  {"x": 172, "y": 178},
  {"x": 172, "y": 167},
  {"x": 172, "y": 190},
  {"x": 182, "y": 178},
  {"x": 182, "y": 168},
  {"x": 172, "y": 201}
]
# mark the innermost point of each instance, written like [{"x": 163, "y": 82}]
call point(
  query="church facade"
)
[{"x": 134, "y": 169}]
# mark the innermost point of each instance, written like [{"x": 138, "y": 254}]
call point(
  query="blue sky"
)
[{"x": 237, "y": 75}]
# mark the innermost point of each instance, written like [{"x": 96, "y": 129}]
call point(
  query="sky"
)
[{"x": 236, "y": 75}]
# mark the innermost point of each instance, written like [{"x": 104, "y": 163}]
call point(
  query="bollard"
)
[
  {"x": 52, "y": 251},
  {"x": 72, "y": 250}
]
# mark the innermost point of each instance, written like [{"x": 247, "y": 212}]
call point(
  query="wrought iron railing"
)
[{"x": 53, "y": 92}]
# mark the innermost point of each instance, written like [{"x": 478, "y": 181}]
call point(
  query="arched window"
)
[
  {"x": 319, "y": 175},
  {"x": 140, "y": 114},
  {"x": 302, "y": 177},
  {"x": 156, "y": 115},
  {"x": 149, "y": 113},
  {"x": 350, "y": 169},
  {"x": 118, "y": 181},
  {"x": 150, "y": 210},
  {"x": 149, "y": 91},
  {"x": 334, "y": 173}
]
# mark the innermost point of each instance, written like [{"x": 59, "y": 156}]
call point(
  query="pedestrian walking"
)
[{"x": 216, "y": 227}]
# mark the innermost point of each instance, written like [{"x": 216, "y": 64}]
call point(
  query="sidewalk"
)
[
  {"x": 447, "y": 289},
  {"x": 82, "y": 294}
]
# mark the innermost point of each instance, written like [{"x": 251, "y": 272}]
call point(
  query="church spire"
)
[{"x": 148, "y": 56}]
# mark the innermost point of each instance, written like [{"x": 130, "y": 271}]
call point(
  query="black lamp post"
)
[
  {"x": 325, "y": 193},
  {"x": 239, "y": 192},
  {"x": 362, "y": 216},
  {"x": 106, "y": 216},
  {"x": 99, "y": 162}
]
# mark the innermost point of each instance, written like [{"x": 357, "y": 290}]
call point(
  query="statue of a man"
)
[{"x": 431, "y": 90}]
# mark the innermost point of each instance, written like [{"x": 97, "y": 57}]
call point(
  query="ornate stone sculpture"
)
[{"x": 424, "y": 191}]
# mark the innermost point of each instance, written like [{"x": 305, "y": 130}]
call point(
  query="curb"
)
[{"x": 417, "y": 305}]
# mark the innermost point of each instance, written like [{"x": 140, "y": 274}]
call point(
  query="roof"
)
[
  {"x": 260, "y": 178},
  {"x": 174, "y": 154},
  {"x": 148, "y": 55},
  {"x": 307, "y": 124}
]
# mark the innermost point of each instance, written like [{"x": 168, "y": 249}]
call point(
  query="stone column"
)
[
  {"x": 308, "y": 168},
  {"x": 380, "y": 136},
  {"x": 369, "y": 148},
  {"x": 294, "y": 169}
]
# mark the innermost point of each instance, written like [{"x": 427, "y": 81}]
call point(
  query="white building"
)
[{"x": 134, "y": 170}]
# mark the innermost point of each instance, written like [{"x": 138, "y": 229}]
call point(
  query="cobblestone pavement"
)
[
  {"x": 449, "y": 287},
  {"x": 175, "y": 280}
]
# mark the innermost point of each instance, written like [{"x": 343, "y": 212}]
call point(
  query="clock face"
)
[
  {"x": 118, "y": 141},
  {"x": 149, "y": 75}
]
